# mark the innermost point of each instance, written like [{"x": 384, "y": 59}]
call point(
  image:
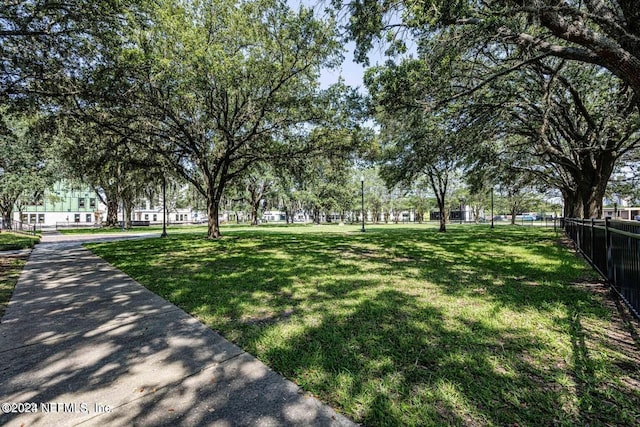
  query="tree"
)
[
  {"x": 325, "y": 185},
  {"x": 422, "y": 146},
  {"x": 23, "y": 159},
  {"x": 569, "y": 126},
  {"x": 599, "y": 32},
  {"x": 563, "y": 47},
  {"x": 420, "y": 199},
  {"x": 118, "y": 171},
  {"x": 567, "y": 123},
  {"x": 415, "y": 142},
  {"x": 625, "y": 182},
  {"x": 45, "y": 44},
  {"x": 220, "y": 86},
  {"x": 257, "y": 183}
]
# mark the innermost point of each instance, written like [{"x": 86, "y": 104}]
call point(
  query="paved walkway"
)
[{"x": 82, "y": 343}]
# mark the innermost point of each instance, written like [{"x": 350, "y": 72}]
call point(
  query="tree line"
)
[{"x": 224, "y": 95}]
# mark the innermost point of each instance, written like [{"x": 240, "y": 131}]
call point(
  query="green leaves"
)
[
  {"x": 224, "y": 85},
  {"x": 23, "y": 158}
]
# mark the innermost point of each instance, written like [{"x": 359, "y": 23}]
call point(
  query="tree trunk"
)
[
  {"x": 443, "y": 215},
  {"x": 127, "y": 213},
  {"x": 592, "y": 197},
  {"x": 254, "y": 213},
  {"x": 591, "y": 185},
  {"x": 6, "y": 218},
  {"x": 112, "y": 213},
  {"x": 213, "y": 208},
  {"x": 476, "y": 213}
]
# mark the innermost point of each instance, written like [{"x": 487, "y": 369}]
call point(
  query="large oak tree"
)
[
  {"x": 599, "y": 32},
  {"x": 218, "y": 86}
]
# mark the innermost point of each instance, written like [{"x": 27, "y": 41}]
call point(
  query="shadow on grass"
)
[
  {"x": 80, "y": 335},
  {"x": 12, "y": 241},
  {"x": 405, "y": 327}
]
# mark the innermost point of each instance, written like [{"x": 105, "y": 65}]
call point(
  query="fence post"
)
[
  {"x": 579, "y": 232},
  {"x": 592, "y": 238},
  {"x": 608, "y": 251}
]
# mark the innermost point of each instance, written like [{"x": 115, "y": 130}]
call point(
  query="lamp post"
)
[
  {"x": 492, "y": 226},
  {"x": 362, "y": 200},
  {"x": 123, "y": 213},
  {"x": 164, "y": 207}
]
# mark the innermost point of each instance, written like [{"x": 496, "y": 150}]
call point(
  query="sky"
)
[{"x": 351, "y": 72}]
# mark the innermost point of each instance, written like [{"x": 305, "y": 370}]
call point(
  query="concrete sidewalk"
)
[{"x": 81, "y": 343}]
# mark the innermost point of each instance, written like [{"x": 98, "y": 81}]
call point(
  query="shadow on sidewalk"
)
[{"x": 86, "y": 344}]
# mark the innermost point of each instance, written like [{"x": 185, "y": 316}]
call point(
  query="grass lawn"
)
[
  {"x": 99, "y": 230},
  {"x": 13, "y": 241},
  {"x": 10, "y": 267},
  {"x": 408, "y": 326}
]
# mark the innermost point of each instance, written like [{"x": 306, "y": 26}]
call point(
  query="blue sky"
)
[{"x": 351, "y": 72}]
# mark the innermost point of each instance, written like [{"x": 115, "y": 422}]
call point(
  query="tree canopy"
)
[
  {"x": 551, "y": 84},
  {"x": 599, "y": 32},
  {"x": 24, "y": 166},
  {"x": 217, "y": 86},
  {"x": 45, "y": 44}
]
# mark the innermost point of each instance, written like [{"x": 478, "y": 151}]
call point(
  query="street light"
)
[
  {"x": 123, "y": 214},
  {"x": 164, "y": 207},
  {"x": 362, "y": 199},
  {"x": 492, "y": 226}
]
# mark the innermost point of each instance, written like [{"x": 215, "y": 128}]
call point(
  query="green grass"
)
[
  {"x": 10, "y": 268},
  {"x": 98, "y": 230},
  {"x": 14, "y": 241},
  {"x": 403, "y": 325}
]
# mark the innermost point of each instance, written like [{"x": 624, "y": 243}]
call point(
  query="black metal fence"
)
[
  {"x": 613, "y": 248},
  {"x": 18, "y": 227}
]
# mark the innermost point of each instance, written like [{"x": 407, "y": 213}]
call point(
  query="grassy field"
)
[
  {"x": 408, "y": 326},
  {"x": 10, "y": 267},
  {"x": 13, "y": 241},
  {"x": 100, "y": 230}
]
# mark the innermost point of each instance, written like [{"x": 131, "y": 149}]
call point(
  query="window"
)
[
  {"x": 155, "y": 217},
  {"x": 92, "y": 203},
  {"x": 81, "y": 203},
  {"x": 41, "y": 218},
  {"x": 177, "y": 216},
  {"x": 76, "y": 218},
  {"x": 146, "y": 217},
  {"x": 88, "y": 217},
  {"x": 25, "y": 218},
  {"x": 32, "y": 218}
]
